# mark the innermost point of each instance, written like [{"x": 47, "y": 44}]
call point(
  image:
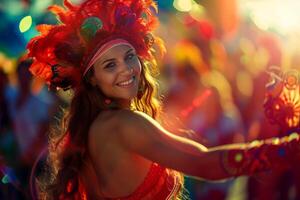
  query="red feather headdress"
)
[{"x": 60, "y": 53}]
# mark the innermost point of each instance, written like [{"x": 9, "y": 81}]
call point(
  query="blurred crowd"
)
[{"x": 212, "y": 84}]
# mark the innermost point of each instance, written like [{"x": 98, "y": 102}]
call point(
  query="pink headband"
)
[{"x": 104, "y": 48}]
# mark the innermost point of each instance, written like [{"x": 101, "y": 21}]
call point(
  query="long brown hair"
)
[{"x": 68, "y": 142}]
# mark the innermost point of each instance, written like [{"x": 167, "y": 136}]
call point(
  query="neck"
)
[
  {"x": 120, "y": 104},
  {"x": 124, "y": 104}
]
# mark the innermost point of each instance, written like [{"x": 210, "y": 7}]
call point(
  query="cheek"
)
[{"x": 104, "y": 80}]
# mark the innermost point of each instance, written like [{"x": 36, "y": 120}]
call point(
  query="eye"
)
[
  {"x": 130, "y": 56},
  {"x": 109, "y": 65}
]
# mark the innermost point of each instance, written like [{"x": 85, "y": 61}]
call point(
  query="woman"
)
[{"x": 110, "y": 145}]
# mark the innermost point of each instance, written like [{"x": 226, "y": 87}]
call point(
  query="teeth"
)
[{"x": 126, "y": 82}]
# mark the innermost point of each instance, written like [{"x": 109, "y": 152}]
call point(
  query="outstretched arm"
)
[{"x": 143, "y": 135}]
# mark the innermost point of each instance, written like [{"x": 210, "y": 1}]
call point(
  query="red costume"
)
[{"x": 160, "y": 184}]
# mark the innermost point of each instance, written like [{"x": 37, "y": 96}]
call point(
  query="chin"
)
[{"x": 125, "y": 97}]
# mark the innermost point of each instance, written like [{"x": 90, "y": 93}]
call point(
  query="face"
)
[{"x": 117, "y": 73}]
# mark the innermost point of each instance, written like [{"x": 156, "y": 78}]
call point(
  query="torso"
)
[{"x": 111, "y": 163}]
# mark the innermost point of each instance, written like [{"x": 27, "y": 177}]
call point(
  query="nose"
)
[{"x": 126, "y": 68}]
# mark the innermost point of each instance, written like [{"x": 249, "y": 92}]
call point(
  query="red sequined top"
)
[{"x": 160, "y": 183}]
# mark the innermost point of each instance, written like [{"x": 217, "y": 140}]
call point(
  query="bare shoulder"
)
[
  {"x": 114, "y": 119},
  {"x": 137, "y": 119},
  {"x": 108, "y": 125},
  {"x": 121, "y": 126}
]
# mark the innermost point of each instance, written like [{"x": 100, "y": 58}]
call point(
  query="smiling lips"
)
[{"x": 127, "y": 83}]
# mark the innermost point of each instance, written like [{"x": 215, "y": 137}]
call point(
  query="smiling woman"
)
[
  {"x": 117, "y": 72},
  {"x": 110, "y": 145}
]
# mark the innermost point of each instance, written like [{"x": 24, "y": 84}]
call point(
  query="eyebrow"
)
[{"x": 112, "y": 59}]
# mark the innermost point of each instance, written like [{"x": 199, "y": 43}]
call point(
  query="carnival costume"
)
[{"x": 63, "y": 54}]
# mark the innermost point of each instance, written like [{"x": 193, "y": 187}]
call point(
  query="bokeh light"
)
[
  {"x": 25, "y": 24},
  {"x": 244, "y": 83},
  {"x": 5, "y": 179},
  {"x": 197, "y": 11},
  {"x": 183, "y": 5},
  {"x": 282, "y": 16}
]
